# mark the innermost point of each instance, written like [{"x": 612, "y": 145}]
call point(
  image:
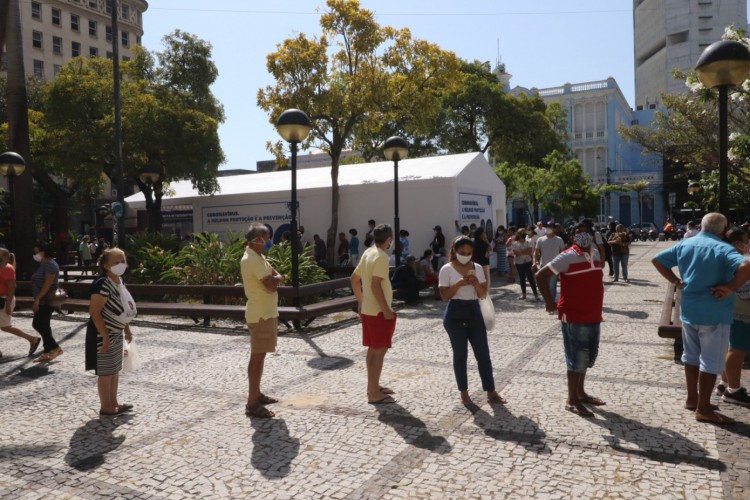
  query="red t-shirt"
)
[
  {"x": 581, "y": 287},
  {"x": 7, "y": 273}
]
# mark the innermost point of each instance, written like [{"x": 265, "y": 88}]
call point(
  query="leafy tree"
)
[{"x": 354, "y": 79}]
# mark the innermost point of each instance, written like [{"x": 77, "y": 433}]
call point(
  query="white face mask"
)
[
  {"x": 463, "y": 259},
  {"x": 37, "y": 257},
  {"x": 119, "y": 269}
]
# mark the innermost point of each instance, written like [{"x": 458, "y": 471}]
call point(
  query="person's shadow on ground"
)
[
  {"x": 654, "y": 443},
  {"x": 505, "y": 426},
  {"x": 274, "y": 449},
  {"x": 411, "y": 429},
  {"x": 93, "y": 440},
  {"x": 629, "y": 314}
]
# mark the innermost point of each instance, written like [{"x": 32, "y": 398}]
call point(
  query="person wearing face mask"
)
[
  {"x": 523, "y": 252},
  {"x": 8, "y": 300},
  {"x": 44, "y": 283},
  {"x": 111, "y": 309},
  {"x": 260, "y": 281},
  {"x": 372, "y": 287},
  {"x": 462, "y": 283}
]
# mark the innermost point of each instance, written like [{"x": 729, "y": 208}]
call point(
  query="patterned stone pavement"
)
[{"x": 188, "y": 436}]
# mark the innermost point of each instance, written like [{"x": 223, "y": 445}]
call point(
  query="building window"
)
[
  {"x": 57, "y": 45},
  {"x": 109, "y": 55},
  {"x": 93, "y": 52},
  {"x": 93, "y": 4},
  {"x": 75, "y": 22},
  {"x": 56, "y": 69},
  {"x": 36, "y": 37},
  {"x": 125, "y": 36},
  {"x": 38, "y": 68},
  {"x": 56, "y": 17},
  {"x": 108, "y": 30},
  {"x": 36, "y": 10},
  {"x": 109, "y": 7},
  {"x": 138, "y": 40},
  {"x": 125, "y": 58},
  {"x": 92, "y": 28},
  {"x": 75, "y": 49},
  {"x": 125, "y": 11}
]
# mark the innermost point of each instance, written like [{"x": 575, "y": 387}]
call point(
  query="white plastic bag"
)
[
  {"x": 131, "y": 358},
  {"x": 488, "y": 312}
]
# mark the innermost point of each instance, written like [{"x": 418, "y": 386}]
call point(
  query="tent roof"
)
[{"x": 434, "y": 167}]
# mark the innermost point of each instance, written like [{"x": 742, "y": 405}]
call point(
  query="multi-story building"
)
[
  {"x": 595, "y": 110},
  {"x": 671, "y": 34},
  {"x": 54, "y": 31}
]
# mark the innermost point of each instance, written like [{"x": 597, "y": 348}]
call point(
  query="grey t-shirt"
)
[{"x": 550, "y": 248}]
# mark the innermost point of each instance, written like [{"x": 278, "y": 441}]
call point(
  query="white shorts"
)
[{"x": 5, "y": 320}]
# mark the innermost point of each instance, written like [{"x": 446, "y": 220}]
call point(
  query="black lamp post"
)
[
  {"x": 12, "y": 165},
  {"x": 577, "y": 197},
  {"x": 293, "y": 126},
  {"x": 396, "y": 148},
  {"x": 722, "y": 65}
]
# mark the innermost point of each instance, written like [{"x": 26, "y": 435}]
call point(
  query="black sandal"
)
[{"x": 258, "y": 410}]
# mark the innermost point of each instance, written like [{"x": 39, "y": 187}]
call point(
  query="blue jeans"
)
[
  {"x": 464, "y": 323},
  {"x": 553, "y": 286},
  {"x": 581, "y": 341},
  {"x": 620, "y": 260}
]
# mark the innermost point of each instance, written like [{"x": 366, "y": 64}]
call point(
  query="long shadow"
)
[
  {"x": 411, "y": 429},
  {"x": 274, "y": 449},
  {"x": 324, "y": 361},
  {"x": 93, "y": 440},
  {"x": 36, "y": 371},
  {"x": 504, "y": 426},
  {"x": 654, "y": 443},
  {"x": 637, "y": 282},
  {"x": 629, "y": 314}
]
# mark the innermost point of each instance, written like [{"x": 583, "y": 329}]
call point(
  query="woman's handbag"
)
[
  {"x": 56, "y": 298},
  {"x": 488, "y": 312},
  {"x": 132, "y": 359}
]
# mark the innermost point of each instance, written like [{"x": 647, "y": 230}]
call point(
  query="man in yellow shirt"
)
[
  {"x": 372, "y": 287},
  {"x": 261, "y": 315}
]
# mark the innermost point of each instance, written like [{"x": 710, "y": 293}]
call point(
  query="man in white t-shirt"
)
[{"x": 547, "y": 248}]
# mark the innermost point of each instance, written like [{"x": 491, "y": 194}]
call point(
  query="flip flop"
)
[
  {"x": 267, "y": 400},
  {"x": 258, "y": 410},
  {"x": 386, "y": 390},
  {"x": 108, "y": 414},
  {"x": 718, "y": 420},
  {"x": 580, "y": 410},
  {"x": 593, "y": 400},
  {"x": 34, "y": 346},
  {"x": 384, "y": 401}
]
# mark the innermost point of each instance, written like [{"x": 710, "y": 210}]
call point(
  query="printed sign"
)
[
  {"x": 239, "y": 217},
  {"x": 474, "y": 209}
]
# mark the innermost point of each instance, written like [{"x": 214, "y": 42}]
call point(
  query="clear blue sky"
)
[{"x": 543, "y": 43}]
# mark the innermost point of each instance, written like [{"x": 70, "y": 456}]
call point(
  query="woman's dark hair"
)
[
  {"x": 353, "y": 232},
  {"x": 459, "y": 242},
  {"x": 735, "y": 235},
  {"x": 47, "y": 247},
  {"x": 426, "y": 253},
  {"x": 478, "y": 232}
]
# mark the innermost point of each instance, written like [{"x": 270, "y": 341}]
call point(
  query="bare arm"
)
[
  {"x": 668, "y": 274},
  {"x": 377, "y": 291},
  {"x": 542, "y": 283},
  {"x": 357, "y": 288},
  {"x": 740, "y": 277},
  {"x": 272, "y": 281}
]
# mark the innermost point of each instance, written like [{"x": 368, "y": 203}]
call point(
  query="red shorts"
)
[{"x": 377, "y": 332}]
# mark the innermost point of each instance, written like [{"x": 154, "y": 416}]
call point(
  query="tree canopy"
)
[{"x": 355, "y": 80}]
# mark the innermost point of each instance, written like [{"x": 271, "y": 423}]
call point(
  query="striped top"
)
[{"x": 113, "y": 311}]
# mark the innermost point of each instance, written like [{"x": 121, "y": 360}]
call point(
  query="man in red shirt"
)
[{"x": 580, "y": 311}]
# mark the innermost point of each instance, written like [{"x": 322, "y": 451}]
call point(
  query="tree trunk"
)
[
  {"x": 18, "y": 127},
  {"x": 153, "y": 196},
  {"x": 331, "y": 236}
]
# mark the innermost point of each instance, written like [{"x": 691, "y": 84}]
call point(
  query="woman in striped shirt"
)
[{"x": 111, "y": 309}]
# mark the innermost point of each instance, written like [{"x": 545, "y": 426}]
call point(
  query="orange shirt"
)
[{"x": 6, "y": 274}]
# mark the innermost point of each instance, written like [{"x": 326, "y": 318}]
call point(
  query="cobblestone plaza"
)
[{"x": 188, "y": 436}]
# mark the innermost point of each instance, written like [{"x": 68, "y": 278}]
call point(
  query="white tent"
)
[{"x": 432, "y": 191}]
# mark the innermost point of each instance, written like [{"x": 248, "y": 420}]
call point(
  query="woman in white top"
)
[
  {"x": 523, "y": 251},
  {"x": 462, "y": 283}
]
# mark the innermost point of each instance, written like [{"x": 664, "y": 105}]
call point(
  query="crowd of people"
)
[{"x": 714, "y": 276}]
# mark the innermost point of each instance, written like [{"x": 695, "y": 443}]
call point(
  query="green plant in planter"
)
[
  {"x": 151, "y": 264},
  {"x": 209, "y": 260},
  {"x": 280, "y": 257}
]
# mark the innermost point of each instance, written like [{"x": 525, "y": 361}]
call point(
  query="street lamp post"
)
[
  {"x": 12, "y": 165},
  {"x": 293, "y": 126},
  {"x": 693, "y": 189},
  {"x": 577, "y": 197},
  {"x": 723, "y": 64},
  {"x": 672, "y": 200},
  {"x": 396, "y": 148}
]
